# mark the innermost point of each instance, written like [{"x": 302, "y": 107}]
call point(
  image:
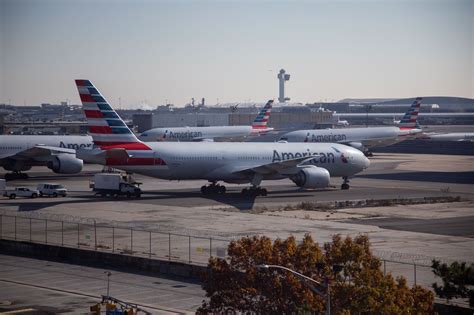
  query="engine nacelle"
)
[
  {"x": 312, "y": 177},
  {"x": 65, "y": 164},
  {"x": 357, "y": 145}
]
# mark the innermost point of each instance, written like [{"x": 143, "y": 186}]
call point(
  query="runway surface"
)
[{"x": 63, "y": 288}]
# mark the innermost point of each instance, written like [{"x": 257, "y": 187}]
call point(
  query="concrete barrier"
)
[{"x": 104, "y": 260}]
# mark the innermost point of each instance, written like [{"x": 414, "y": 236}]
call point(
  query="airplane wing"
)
[
  {"x": 100, "y": 156},
  {"x": 40, "y": 151},
  {"x": 202, "y": 139},
  {"x": 277, "y": 167},
  {"x": 369, "y": 143}
]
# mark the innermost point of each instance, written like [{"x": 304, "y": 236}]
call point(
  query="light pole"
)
[
  {"x": 325, "y": 285},
  {"x": 108, "y": 273}
]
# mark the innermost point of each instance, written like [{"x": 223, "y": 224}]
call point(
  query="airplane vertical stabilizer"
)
[
  {"x": 107, "y": 129},
  {"x": 409, "y": 120},
  {"x": 261, "y": 120}
]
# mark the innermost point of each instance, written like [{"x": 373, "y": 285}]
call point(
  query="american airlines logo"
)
[
  {"x": 324, "y": 157},
  {"x": 325, "y": 138},
  {"x": 187, "y": 135},
  {"x": 74, "y": 146}
]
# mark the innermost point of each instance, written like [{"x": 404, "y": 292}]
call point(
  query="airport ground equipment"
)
[
  {"x": 115, "y": 306},
  {"x": 52, "y": 190},
  {"x": 21, "y": 192},
  {"x": 115, "y": 184}
]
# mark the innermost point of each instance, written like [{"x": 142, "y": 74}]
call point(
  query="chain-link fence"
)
[
  {"x": 196, "y": 248},
  {"x": 115, "y": 239}
]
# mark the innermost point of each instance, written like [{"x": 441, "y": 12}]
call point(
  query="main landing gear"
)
[
  {"x": 213, "y": 189},
  {"x": 254, "y": 191},
  {"x": 368, "y": 153},
  {"x": 345, "y": 184},
  {"x": 16, "y": 175}
]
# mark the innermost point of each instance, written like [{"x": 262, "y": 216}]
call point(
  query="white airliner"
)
[
  {"x": 308, "y": 165},
  {"x": 258, "y": 127},
  {"x": 453, "y": 136},
  {"x": 363, "y": 138},
  {"x": 20, "y": 153}
]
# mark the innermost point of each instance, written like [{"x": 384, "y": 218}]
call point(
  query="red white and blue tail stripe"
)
[
  {"x": 107, "y": 129},
  {"x": 261, "y": 120},
  {"x": 409, "y": 120}
]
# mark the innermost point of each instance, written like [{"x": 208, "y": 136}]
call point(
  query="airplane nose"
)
[
  {"x": 361, "y": 160},
  {"x": 366, "y": 162}
]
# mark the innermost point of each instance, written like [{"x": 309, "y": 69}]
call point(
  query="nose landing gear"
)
[
  {"x": 213, "y": 189},
  {"x": 345, "y": 184}
]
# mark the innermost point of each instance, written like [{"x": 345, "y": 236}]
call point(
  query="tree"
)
[
  {"x": 458, "y": 280},
  {"x": 236, "y": 284}
]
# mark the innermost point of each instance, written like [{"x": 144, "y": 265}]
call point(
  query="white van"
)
[{"x": 55, "y": 190}]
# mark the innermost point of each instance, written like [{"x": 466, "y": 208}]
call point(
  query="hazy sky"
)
[{"x": 232, "y": 50}]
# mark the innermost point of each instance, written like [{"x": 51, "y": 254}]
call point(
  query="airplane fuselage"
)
[
  {"x": 369, "y": 137},
  {"x": 222, "y": 161},
  {"x": 199, "y": 133},
  {"x": 17, "y": 152},
  {"x": 453, "y": 136},
  {"x": 13, "y": 144}
]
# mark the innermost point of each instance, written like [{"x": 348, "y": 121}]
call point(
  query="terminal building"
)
[{"x": 280, "y": 118}]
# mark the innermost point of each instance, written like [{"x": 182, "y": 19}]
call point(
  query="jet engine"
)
[
  {"x": 65, "y": 164},
  {"x": 311, "y": 177},
  {"x": 359, "y": 146}
]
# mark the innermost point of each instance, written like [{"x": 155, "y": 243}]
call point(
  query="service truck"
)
[{"x": 115, "y": 184}]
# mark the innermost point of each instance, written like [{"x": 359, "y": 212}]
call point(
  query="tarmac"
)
[
  {"x": 55, "y": 288},
  {"x": 406, "y": 234}
]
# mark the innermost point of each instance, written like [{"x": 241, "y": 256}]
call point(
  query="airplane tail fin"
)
[
  {"x": 409, "y": 120},
  {"x": 107, "y": 129},
  {"x": 261, "y": 120}
]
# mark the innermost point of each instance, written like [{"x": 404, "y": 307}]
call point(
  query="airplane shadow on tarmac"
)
[
  {"x": 438, "y": 177},
  {"x": 234, "y": 199}
]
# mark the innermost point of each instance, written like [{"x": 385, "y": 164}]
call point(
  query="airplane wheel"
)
[
  {"x": 221, "y": 190},
  {"x": 345, "y": 186}
]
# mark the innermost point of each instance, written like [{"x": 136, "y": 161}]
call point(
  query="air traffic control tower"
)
[{"x": 282, "y": 77}]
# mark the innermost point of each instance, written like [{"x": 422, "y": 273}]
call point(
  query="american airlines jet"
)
[
  {"x": 452, "y": 136},
  {"x": 258, "y": 127},
  {"x": 363, "y": 138},
  {"x": 308, "y": 165},
  {"x": 20, "y": 153}
]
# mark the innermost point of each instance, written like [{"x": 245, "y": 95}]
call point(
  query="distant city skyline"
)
[{"x": 152, "y": 52}]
